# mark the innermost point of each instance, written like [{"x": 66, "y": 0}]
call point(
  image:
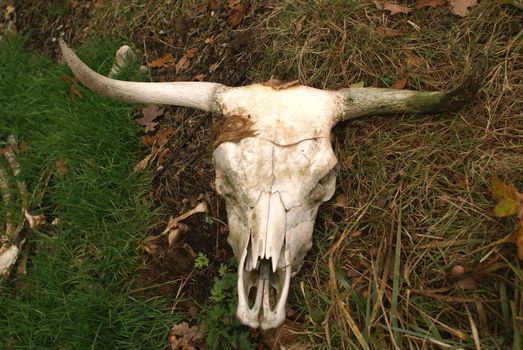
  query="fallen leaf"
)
[
  {"x": 430, "y": 3},
  {"x": 163, "y": 135},
  {"x": 150, "y": 113},
  {"x": 468, "y": 284},
  {"x": 507, "y": 196},
  {"x": 232, "y": 3},
  {"x": 461, "y": 7},
  {"x": 359, "y": 84},
  {"x": 162, "y": 156},
  {"x": 389, "y": 32},
  {"x": 394, "y": 8},
  {"x": 280, "y": 85},
  {"x": 190, "y": 53},
  {"x": 456, "y": 272},
  {"x": 183, "y": 64},
  {"x": 299, "y": 26},
  {"x": 160, "y": 138},
  {"x": 183, "y": 337},
  {"x": 413, "y": 59},
  {"x": 379, "y": 4},
  {"x": 9, "y": 11},
  {"x": 199, "y": 77},
  {"x": 213, "y": 4},
  {"x": 213, "y": 67},
  {"x": 148, "y": 140},
  {"x": 400, "y": 84},
  {"x": 236, "y": 14},
  {"x": 162, "y": 62},
  {"x": 141, "y": 165},
  {"x": 60, "y": 167},
  {"x": 509, "y": 202},
  {"x": 341, "y": 200},
  {"x": 506, "y": 207},
  {"x": 356, "y": 234}
]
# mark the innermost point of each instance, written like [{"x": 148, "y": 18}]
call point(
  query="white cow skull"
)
[{"x": 274, "y": 165}]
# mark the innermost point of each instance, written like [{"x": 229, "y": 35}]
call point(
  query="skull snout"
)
[{"x": 264, "y": 271}]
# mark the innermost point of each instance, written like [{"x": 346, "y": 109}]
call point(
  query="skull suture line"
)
[{"x": 277, "y": 174}]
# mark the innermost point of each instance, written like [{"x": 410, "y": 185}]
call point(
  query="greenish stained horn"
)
[{"x": 359, "y": 102}]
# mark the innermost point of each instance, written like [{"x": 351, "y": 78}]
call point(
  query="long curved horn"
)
[
  {"x": 358, "y": 102},
  {"x": 199, "y": 95}
]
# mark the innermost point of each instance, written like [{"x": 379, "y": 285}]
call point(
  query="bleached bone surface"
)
[
  {"x": 284, "y": 116},
  {"x": 273, "y": 185}
]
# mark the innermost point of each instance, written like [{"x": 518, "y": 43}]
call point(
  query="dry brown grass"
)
[{"x": 417, "y": 188}]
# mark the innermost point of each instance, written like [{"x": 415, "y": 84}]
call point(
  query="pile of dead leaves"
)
[
  {"x": 183, "y": 337},
  {"x": 509, "y": 203},
  {"x": 156, "y": 139}
]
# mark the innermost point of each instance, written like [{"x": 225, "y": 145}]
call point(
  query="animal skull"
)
[{"x": 274, "y": 165}]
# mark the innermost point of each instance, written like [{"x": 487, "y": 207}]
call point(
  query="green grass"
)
[{"x": 77, "y": 292}]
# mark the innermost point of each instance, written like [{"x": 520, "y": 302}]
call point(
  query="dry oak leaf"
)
[
  {"x": 510, "y": 202},
  {"x": 148, "y": 140},
  {"x": 183, "y": 64},
  {"x": 141, "y": 165},
  {"x": 299, "y": 26},
  {"x": 163, "y": 135},
  {"x": 190, "y": 53},
  {"x": 461, "y": 7},
  {"x": 430, "y": 3},
  {"x": 400, "y": 84},
  {"x": 199, "y": 77},
  {"x": 392, "y": 8},
  {"x": 389, "y": 32},
  {"x": 413, "y": 59},
  {"x": 507, "y": 196},
  {"x": 236, "y": 14},
  {"x": 280, "y": 85},
  {"x": 150, "y": 113},
  {"x": 341, "y": 200},
  {"x": 213, "y": 4},
  {"x": 467, "y": 284},
  {"x": 213, "y": 67},
  {"x": 161, "y": 62}
]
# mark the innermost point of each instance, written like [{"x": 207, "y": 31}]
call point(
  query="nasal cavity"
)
[{"x": 261, "y": 277}]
